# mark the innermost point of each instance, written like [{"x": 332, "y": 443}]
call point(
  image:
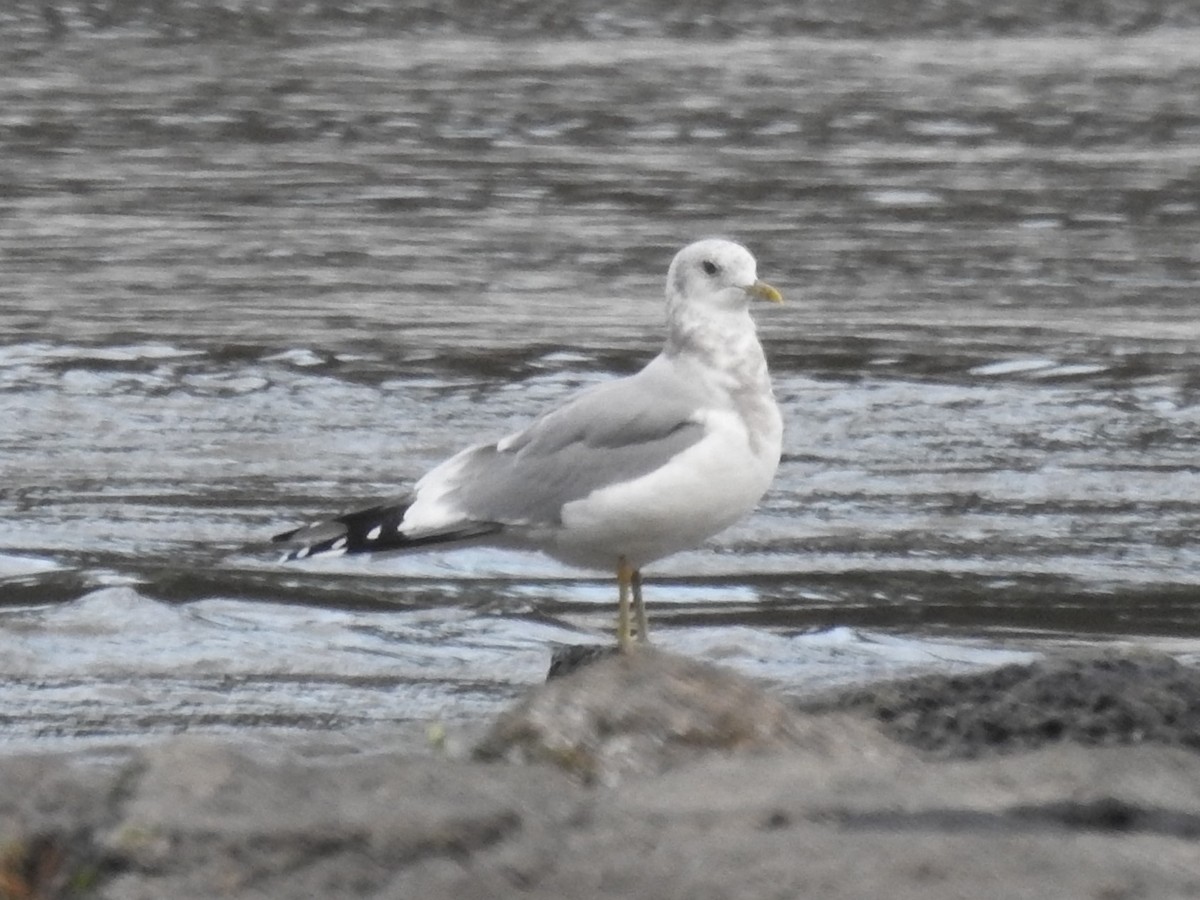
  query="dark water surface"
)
[{"x": 245, "y": 284}]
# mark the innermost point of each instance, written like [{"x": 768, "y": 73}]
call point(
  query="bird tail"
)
[{"x": 374, "y": 529}]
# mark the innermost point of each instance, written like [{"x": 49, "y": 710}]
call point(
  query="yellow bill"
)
[{"x": 764, "y": 291}]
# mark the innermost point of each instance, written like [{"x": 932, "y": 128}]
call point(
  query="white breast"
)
[{"x": 700, "y": 492}]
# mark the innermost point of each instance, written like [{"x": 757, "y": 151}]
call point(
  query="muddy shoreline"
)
[{"x": 694, "y": 783}]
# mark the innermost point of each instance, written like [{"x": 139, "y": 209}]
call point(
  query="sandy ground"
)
[{"x": 658, "y": 777}]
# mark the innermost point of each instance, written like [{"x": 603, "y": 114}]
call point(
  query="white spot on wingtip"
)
[
  {"x": 302, "y": 553},
  {"x": 374, "y": 533},
  {"x": 338, "y": 544}
]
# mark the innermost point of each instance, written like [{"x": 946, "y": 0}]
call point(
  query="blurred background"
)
[{"x": 266, "y": 260}]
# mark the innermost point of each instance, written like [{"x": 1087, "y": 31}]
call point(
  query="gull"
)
[{"x": 624, "y": 473}]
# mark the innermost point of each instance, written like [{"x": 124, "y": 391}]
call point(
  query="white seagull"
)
[{"x": 625, "y": 472}]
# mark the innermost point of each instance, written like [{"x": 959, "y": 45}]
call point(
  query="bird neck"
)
[
  {"x": 723, "y": 351},
  {"x": 725, "y": 340}
]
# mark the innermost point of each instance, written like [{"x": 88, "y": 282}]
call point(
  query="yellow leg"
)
[
  {"x": 639, "y": 608},
  {"x": 625, "y": 575}
]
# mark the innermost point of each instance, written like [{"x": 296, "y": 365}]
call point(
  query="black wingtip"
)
[
  {"x": 287, "y": 535},
  {"x": 375, "y": 529}
]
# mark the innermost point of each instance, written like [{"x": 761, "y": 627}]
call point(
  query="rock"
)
[
  {"x": 1092, "y": 699},
  {"x": 646, "y": 711},
  {"x": 901, "y": 827},
  {"x": 567, "y": 658},
  {"x": 721, "y": 791},
  {"x": 209, "y": 819},
  {"x": 51, "y": 809}
]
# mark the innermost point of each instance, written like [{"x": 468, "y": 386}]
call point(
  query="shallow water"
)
[{"x": 246, "y": 284}]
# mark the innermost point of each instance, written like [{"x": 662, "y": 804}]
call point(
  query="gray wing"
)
[{"x": 608, "y": 434}]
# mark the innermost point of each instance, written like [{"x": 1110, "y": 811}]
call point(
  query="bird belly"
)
[{"x": 700, "y": 492}]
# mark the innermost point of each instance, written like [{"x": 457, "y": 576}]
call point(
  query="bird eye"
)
[{"x": 710, "y": 267}]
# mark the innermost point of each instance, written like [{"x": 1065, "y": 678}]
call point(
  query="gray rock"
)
[
  {"x": 647, "y": 711},
  {"x": 723, "y": 792},
  {"x": 1090, "y": 699},
  {"x": 205, "y": 815}
]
